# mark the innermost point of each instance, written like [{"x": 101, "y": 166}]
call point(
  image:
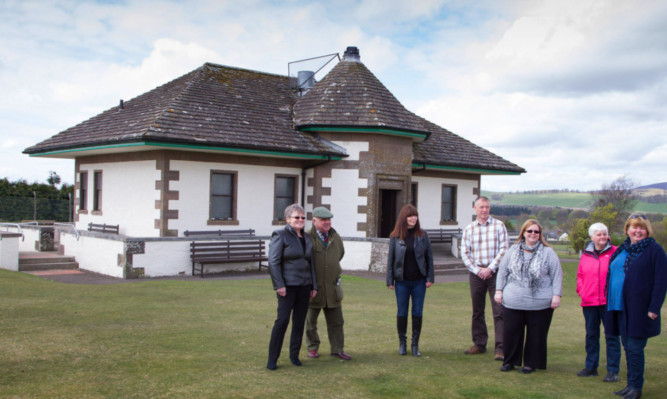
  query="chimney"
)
[{"x": 351, "y": 54}]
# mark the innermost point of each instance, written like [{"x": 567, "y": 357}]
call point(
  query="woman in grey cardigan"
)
[{"x": 529, "y": 286}]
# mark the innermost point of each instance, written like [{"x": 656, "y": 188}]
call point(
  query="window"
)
[
  {"x": 83, "y": 191},
  {"x": 448, "y": 204},
  {"x": 223, "y": 195},
  {"x": 97, "y": 191},
  {"x": 285, "y": 190}
]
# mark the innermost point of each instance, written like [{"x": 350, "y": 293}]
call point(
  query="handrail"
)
[
  {"x": 18, "y": 227},
  {"x": 76, "y": 232}
]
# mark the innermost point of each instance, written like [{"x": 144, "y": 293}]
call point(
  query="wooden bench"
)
[
  {"x": 103, "y": 228},
  {"x": 227, "y": 251},
  {"x": 220, "y": 233},
  {"x": 442, "y": 235}
]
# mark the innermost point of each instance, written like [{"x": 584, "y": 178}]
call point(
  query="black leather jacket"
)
[
  {"x": 287, "y": 263},
  {"x": 423, "y": 253}
]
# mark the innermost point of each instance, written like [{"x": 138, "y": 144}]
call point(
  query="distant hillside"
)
[
  {"x": 569, "y": 199},
  {"x": 661, "y": 186}
]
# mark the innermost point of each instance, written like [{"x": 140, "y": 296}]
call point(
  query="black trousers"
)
[
  {"x": 295, "y": 303},
  {"x": 534, "y": 326}
]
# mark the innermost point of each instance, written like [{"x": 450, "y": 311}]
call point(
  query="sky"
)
[{"x": 573, "y": 91}]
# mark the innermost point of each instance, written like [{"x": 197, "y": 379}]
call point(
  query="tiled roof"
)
[
  {"x": 211, "y": 106},
  {"x": 445, "y": 148},
  {"x": 350, "y": 95},
  {"x": 221, "y": 106}
]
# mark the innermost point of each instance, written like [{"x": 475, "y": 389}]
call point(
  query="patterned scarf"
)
[
  {"x": 533, "y": 270},
  {"x": 633, "y": 250}
]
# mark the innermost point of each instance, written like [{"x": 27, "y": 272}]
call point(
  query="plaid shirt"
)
[{"x": 483, "y": 245}]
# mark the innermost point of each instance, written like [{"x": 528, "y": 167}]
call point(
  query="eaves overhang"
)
[
  {"x": 71, "y": 153},
  {"x": 418, "y": 166},
  {"x": 417, "y": 136}
]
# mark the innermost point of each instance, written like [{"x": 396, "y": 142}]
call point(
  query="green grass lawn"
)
[{"x": 209, "y": 339}]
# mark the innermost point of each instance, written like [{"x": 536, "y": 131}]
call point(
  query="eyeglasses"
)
[
  {"x": 638, "y": 216},
  {"x": 533, "y": 231},
  {"x": 298, "y": 217}
]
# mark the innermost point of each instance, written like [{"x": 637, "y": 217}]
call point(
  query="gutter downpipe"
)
[{"x": 303, "y": 179}]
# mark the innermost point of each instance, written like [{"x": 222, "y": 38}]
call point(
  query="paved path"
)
[{"x": 86, "y": 277}]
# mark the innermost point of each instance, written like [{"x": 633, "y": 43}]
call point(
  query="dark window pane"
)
[{"x": 222, "y": 196}]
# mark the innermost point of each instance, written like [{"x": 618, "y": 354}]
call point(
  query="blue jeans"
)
[
  {"x": 406, "y": 289},
  {"x": 594, "y": 315},
  {"x": 634, "y": 357}
]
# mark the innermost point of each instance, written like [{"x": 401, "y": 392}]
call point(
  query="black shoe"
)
[
  {"x": 295, "y": 361},
  {"x": 588, "y": 373},
  {"x": 271, "y": 365},
  {"x": 633, "y": 394},
  {"x": 507, "y": 367},
  {"x": 610, "y": 377},
  {"x": 622, "y": 391},
  {"x": 526, "y": 370}
]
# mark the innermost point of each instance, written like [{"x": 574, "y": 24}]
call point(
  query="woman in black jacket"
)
[
  {"x": 293, "y": 276},
  {"x": 409, "y": 273}
]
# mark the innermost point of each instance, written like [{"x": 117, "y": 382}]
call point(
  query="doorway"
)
[{"x": 388, "y": 211}]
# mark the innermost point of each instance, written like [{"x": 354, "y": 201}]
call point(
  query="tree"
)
[
  {"x": 579, "y": 233},
  {"x": 618, "y": 193},
  {"x": 53, "y": 179}
]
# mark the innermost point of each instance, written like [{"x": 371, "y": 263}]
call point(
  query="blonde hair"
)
[
  {"x": 637, "y": 219},
  {"x": 525, "y": 227}
]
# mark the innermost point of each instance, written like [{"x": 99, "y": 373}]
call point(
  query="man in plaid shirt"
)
[{"x": 483, "y": 245}]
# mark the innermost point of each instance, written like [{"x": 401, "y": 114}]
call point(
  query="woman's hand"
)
[
  {"x": 498, "y": 297},
  {"x": 313, "y": 293},
  {"x": 652, "y": 315},
  {"x": 391, "y": 287},
  {"x": 428, "y": 284},
  {"x": 282, "y": 291},
  {"x": 555, "y": 302}
]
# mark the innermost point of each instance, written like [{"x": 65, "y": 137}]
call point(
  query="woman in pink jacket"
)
[{"x": 591, "y": 280}]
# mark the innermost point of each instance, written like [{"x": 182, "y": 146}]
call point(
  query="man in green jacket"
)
[{"x": 328, "y": 250}]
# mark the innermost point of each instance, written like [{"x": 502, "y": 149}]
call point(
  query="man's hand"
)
[
  {"x": 313, "y": 293},
  {"x": 282, "y": 291},
  {"x": 485, "y": 273}
]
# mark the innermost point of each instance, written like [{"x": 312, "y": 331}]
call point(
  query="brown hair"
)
[
  {"x": 401, "y": 227},
  {"x": 640, "y": 220},
  {"x": 525, "y": 227}
]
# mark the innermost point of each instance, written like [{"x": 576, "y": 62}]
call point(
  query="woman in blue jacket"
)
[
  {"x": 409, "y": 273},
  {"x": 636, "y": 287}
]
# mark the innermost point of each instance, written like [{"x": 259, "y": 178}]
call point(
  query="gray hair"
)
[
  {"x": 595, "y": 227},
  {"x": 293, "y": 208},
  {"x": 481, "y": 198}
]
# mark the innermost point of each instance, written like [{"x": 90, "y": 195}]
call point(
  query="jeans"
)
[
  {"x": 634, "y": 357},
  {"x": 406, "y": 289},
  {"x": 593, "y": 316}
]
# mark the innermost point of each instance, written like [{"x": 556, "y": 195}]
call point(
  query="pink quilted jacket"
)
[{"x": 592, "y": 275}]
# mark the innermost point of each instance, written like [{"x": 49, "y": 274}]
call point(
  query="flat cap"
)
[{"x": 322, "y": 212}]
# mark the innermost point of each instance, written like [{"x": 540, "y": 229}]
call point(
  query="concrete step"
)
[{"x": 46, "y": 261}]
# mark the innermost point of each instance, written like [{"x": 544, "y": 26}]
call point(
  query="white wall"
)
[
  {"x": 9, "y": 252},
  {"x": 255, "y": 195},
  {"x": 99, "y": 255},
  {"x": 429, "y": 196},
  {"x": 345, "y": 185},
  {"x": 357, "y": 255},
  {"x": 128, "y": 197}
]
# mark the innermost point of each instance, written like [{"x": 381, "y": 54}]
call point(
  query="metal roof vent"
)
[
  {"x": 351, "y": 54},
  {"x": 305, "y": 80}
]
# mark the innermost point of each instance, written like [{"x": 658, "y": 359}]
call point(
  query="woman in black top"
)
[
  {"x": 409, "y": 273},
  {"x": 293, "y": 277}
]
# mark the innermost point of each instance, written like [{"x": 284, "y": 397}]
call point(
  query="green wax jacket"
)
[{"x": 327, "y": 269}]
